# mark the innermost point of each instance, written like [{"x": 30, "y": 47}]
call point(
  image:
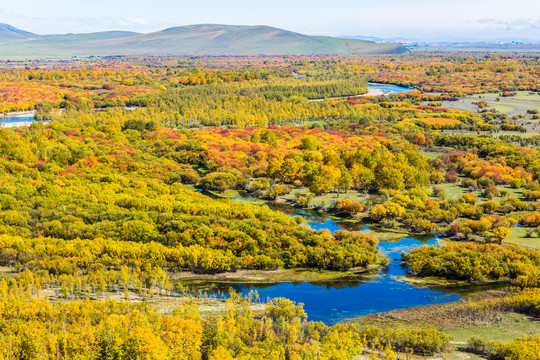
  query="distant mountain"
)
[
  {"x": 185, "y": 40},
  {"x": 8, "y": 33}
]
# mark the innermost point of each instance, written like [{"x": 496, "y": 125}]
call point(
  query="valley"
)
[{"x": 205, "y": 207}]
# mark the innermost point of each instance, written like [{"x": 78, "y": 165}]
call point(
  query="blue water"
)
[
  {"x": 392, "y": 89},
  {"x": 338, "y": 300},
  {"x": 11, "y": 120}
]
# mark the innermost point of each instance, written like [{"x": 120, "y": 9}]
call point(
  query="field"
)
[
  {"x": 455, "y": 191},
  {"x": 510, "y": 105},
  {"x": 519, "y": 237}
]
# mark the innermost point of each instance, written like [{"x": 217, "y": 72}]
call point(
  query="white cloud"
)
[{"x": 510, "y": 25}]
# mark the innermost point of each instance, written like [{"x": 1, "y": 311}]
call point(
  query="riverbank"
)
[
  {"x": 12, "y": 123},
  {"x": 457, "y": 320},
  {"x": 374, "y": 92},
  {"x": 370, "y": 92},
  {"x": 461, "y": 286},
  {"x": 279, "y": 275},
  {"x": 18, "y": 119},
  {"x": 433, "y": 316},
  {"x": 18, "y": 114}
]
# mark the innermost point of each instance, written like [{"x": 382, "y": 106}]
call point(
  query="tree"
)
[
  {"x": 501, "y": 233},
  {"x": 345, "y": 180},
  {"x": 143, "y": 344},
  {"x": 139, "y": 231},
  {"x": 326, "y": 180},
  {"x": 182, "y": 337},
  {"x": 219, "y": 181},
  {"x": 289, "y": 170},
  {"x": 286, "y": 316},
  {"x": 436, "y": 177},
  {"x": 308, "y": 143},
  {"x": 389, "y": 178}
]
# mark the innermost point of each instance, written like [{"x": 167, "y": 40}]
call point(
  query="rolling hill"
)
[
  {"x": 10, "y": 33},
  {"x": 184, "y": 40}
]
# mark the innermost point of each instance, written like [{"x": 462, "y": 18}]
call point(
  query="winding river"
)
[{"x": 338, "y": 300}]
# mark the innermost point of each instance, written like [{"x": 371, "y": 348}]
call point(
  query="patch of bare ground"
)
[
  {"x": 281, "y": 275},
  {"x": 164, "y": 302}
]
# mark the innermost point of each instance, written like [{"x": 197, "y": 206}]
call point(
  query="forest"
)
[{"x": 130, "y": 176}]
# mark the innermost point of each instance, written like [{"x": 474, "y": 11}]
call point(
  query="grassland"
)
[
  {"x": 510, "y": 105},
  {"x": 510, "y": 327},
  {"x": 454, "y": 191},
  {"x": 519, "y": 237},
  {"x": 276, "y": 276},
  {"x": 431, "y": 154},
  {"x": 325, "y": 201}
]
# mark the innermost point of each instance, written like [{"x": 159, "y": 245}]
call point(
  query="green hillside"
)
[{"x": 185, "y": 40}]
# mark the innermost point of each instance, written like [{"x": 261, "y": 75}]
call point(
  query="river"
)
[
  {"x": 16, "y": 121},
  {"x": 337, "y": 300},
  {"x": 388, "y": 89}
]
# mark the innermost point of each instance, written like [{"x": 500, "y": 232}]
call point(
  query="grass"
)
[
  {"x": 464, "y": 288},
  {"x": 164, "y": 302},
  {"x": 504, "y": 326},
  {"x": 431, "y": 154},
  {"x": 436, "y": 316},
  {"x": 189, "y": 187},
  {"x": 454, "y": 191},
  {"x": 511, "y": 105},
  {"x": 459, "y": 355},
  {"x": 502, "y": 108},
  {"x": 520, "y": 134},
  {"x": 518, "y": 236},
  {"x": 511, "y": 327},
  {"x": 389, "y": 235},
  {"x": 239, "y": 195},
  {"x": 325, "y": 201},
  {"x": 275, "y": 276},
  {"x": 434, "y": 282}
]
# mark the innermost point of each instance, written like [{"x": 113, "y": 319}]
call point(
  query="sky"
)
[{"x": 409, "y": 19}]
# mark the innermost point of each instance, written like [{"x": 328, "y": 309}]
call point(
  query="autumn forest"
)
[{"x": 142, "y": 175}]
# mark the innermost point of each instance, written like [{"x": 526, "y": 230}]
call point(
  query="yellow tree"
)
[{"x": 182, "y": 337}]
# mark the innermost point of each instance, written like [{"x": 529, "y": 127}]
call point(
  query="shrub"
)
[{"x": 349, "y": 206}]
